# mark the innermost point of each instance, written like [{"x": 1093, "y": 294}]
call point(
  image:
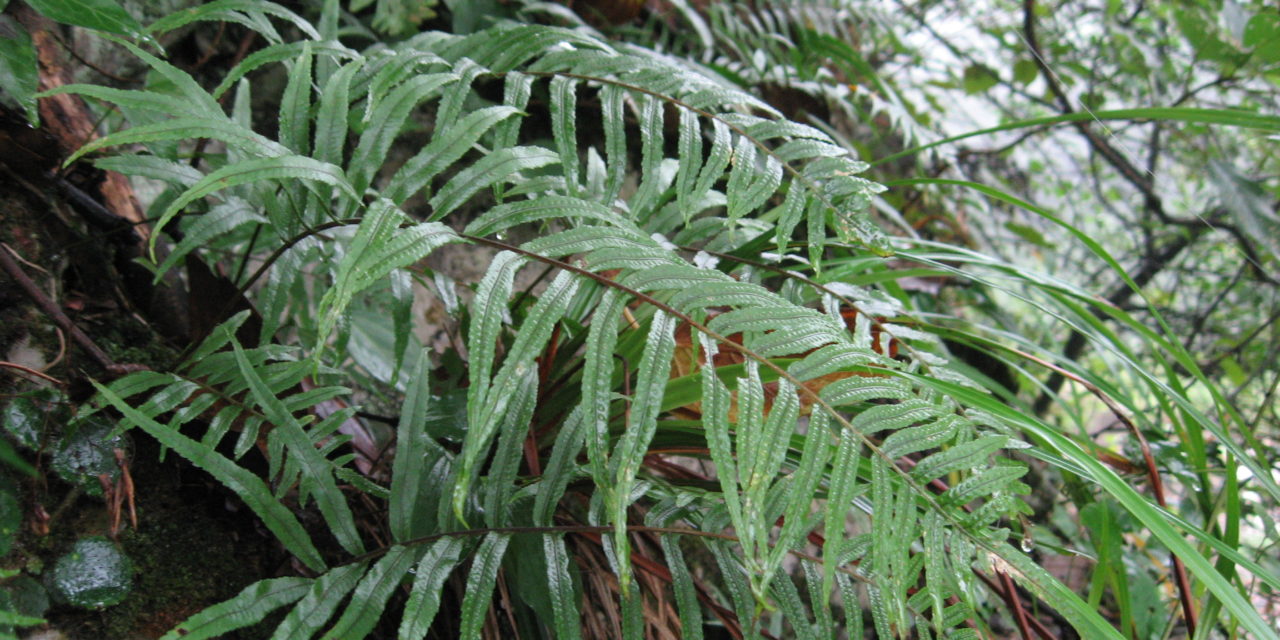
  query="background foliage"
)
[{"x": 798, "y": 319}]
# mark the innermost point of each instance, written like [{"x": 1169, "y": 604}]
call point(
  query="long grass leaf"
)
[{"x": 1138, "y": 506}]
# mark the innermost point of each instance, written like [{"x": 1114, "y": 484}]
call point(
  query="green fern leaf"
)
[
  {"x": 370, "y": 596},
  {"x": 452, "y": 103},
  {"x": 505, "y": 216},
  {"x": 926, "y": 436},
  {"x": 280, "y": 53},
  {"x": 488, "y": 402},
  {"x": 444, "y": 150},
  {"x": 717, "y": 161},
  {"x": 323, "y": 598},
  {"x": 480, "y": 581},
  {"x": 588, "y": 239},
  {"x": 317, "y": 471},
  {"x": 830, "y": 359},
  {"x": 674, "y": 276},
  {"x": 715, "y": 422},
  {"x": 152, "y": 101},
  {"x": 615, "y": 141},
  {"x": 560, "y": 469},
  {"x": 414, "y": 450},
  {"x": 853, "y": 391},
  {"x": 487, "y": 312},
  {"x": 735, "y": 580},
  {"x": 332, "y": 114},
  {"x": 632, "y": 616},
  {"x": 748, "y": 186},
  {"x": 379, "y": 247},
  {"x": 938, "y": 580},
  {"x": 792, "y": 607},
  {"x": 248, "y": 171},
  {"x": 231, "y": 11},
  {"x": 509, "y": 46},
  {"x": 565, "y": 617},
  {"x": 492, "y": 169},
  {"x": 424, "y": 597},
  {"x": 386, "y": 122},
  {"x": 635, "y": 257},
  {"x": 186, "y": 128},
  {"x": 515, "y": 94},
  {"x": 744, "y": 294},
  {"x": 985, "y": 482},
  {"x": 153, "y": 167},
  {"x": 249, "y": 607},
  {"x": 280, "y": 284},
  {"x": 792, "y": 340},
  {"x": 219, "y": 220},
  {"x": 504, "y": 464},
  {"x": 784, "y": 319},
  {"x": 200, "y": 102},
  {"x": 804, "y": 482},
  {"x": 597, "y": 381},
  {"x": 564, "y": 102},
  {"x": 840, "y": 495},
  {"x": 278, "y": 519},
  {"x": 388, "y": 69},
  {"x": 970, "y": 455},
  {"x": 653, "y": 181},
  {"x": 295, "y": 105},
  {"x": 655, "y": 370}
]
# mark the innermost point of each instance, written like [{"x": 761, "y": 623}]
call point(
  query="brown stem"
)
[
  {"x": 1011, "y": 598},
  {"x": 59, "y": 318}
]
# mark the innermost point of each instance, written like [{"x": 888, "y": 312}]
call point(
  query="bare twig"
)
[
  {"x": 28, "y": 370},
  {"x": 1015, "y": 605},
  {"x": 50, "y": 309}
]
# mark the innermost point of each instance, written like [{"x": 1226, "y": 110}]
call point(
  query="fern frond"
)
[
  {"x": 249, "y": 607},
  {"x": 789, "y": 400},
  {"x": 248, "y": 487}
]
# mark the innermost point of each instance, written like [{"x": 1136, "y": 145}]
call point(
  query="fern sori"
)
[{"x": 656, "y": 222}]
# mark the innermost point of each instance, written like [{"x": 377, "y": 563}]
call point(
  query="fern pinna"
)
[{"x": 684, "y": 221}]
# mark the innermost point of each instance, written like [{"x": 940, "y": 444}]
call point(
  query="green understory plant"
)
[{"x": 688, "y": 232}]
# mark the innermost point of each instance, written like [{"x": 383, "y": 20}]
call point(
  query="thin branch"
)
[
  {"x": 1011, "y": 598},
  {"x": 59, "y": 318},
  {"x": 29, "y": 371}
]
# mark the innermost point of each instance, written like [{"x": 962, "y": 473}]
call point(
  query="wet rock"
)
[{"x": 93, "y": 575}]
